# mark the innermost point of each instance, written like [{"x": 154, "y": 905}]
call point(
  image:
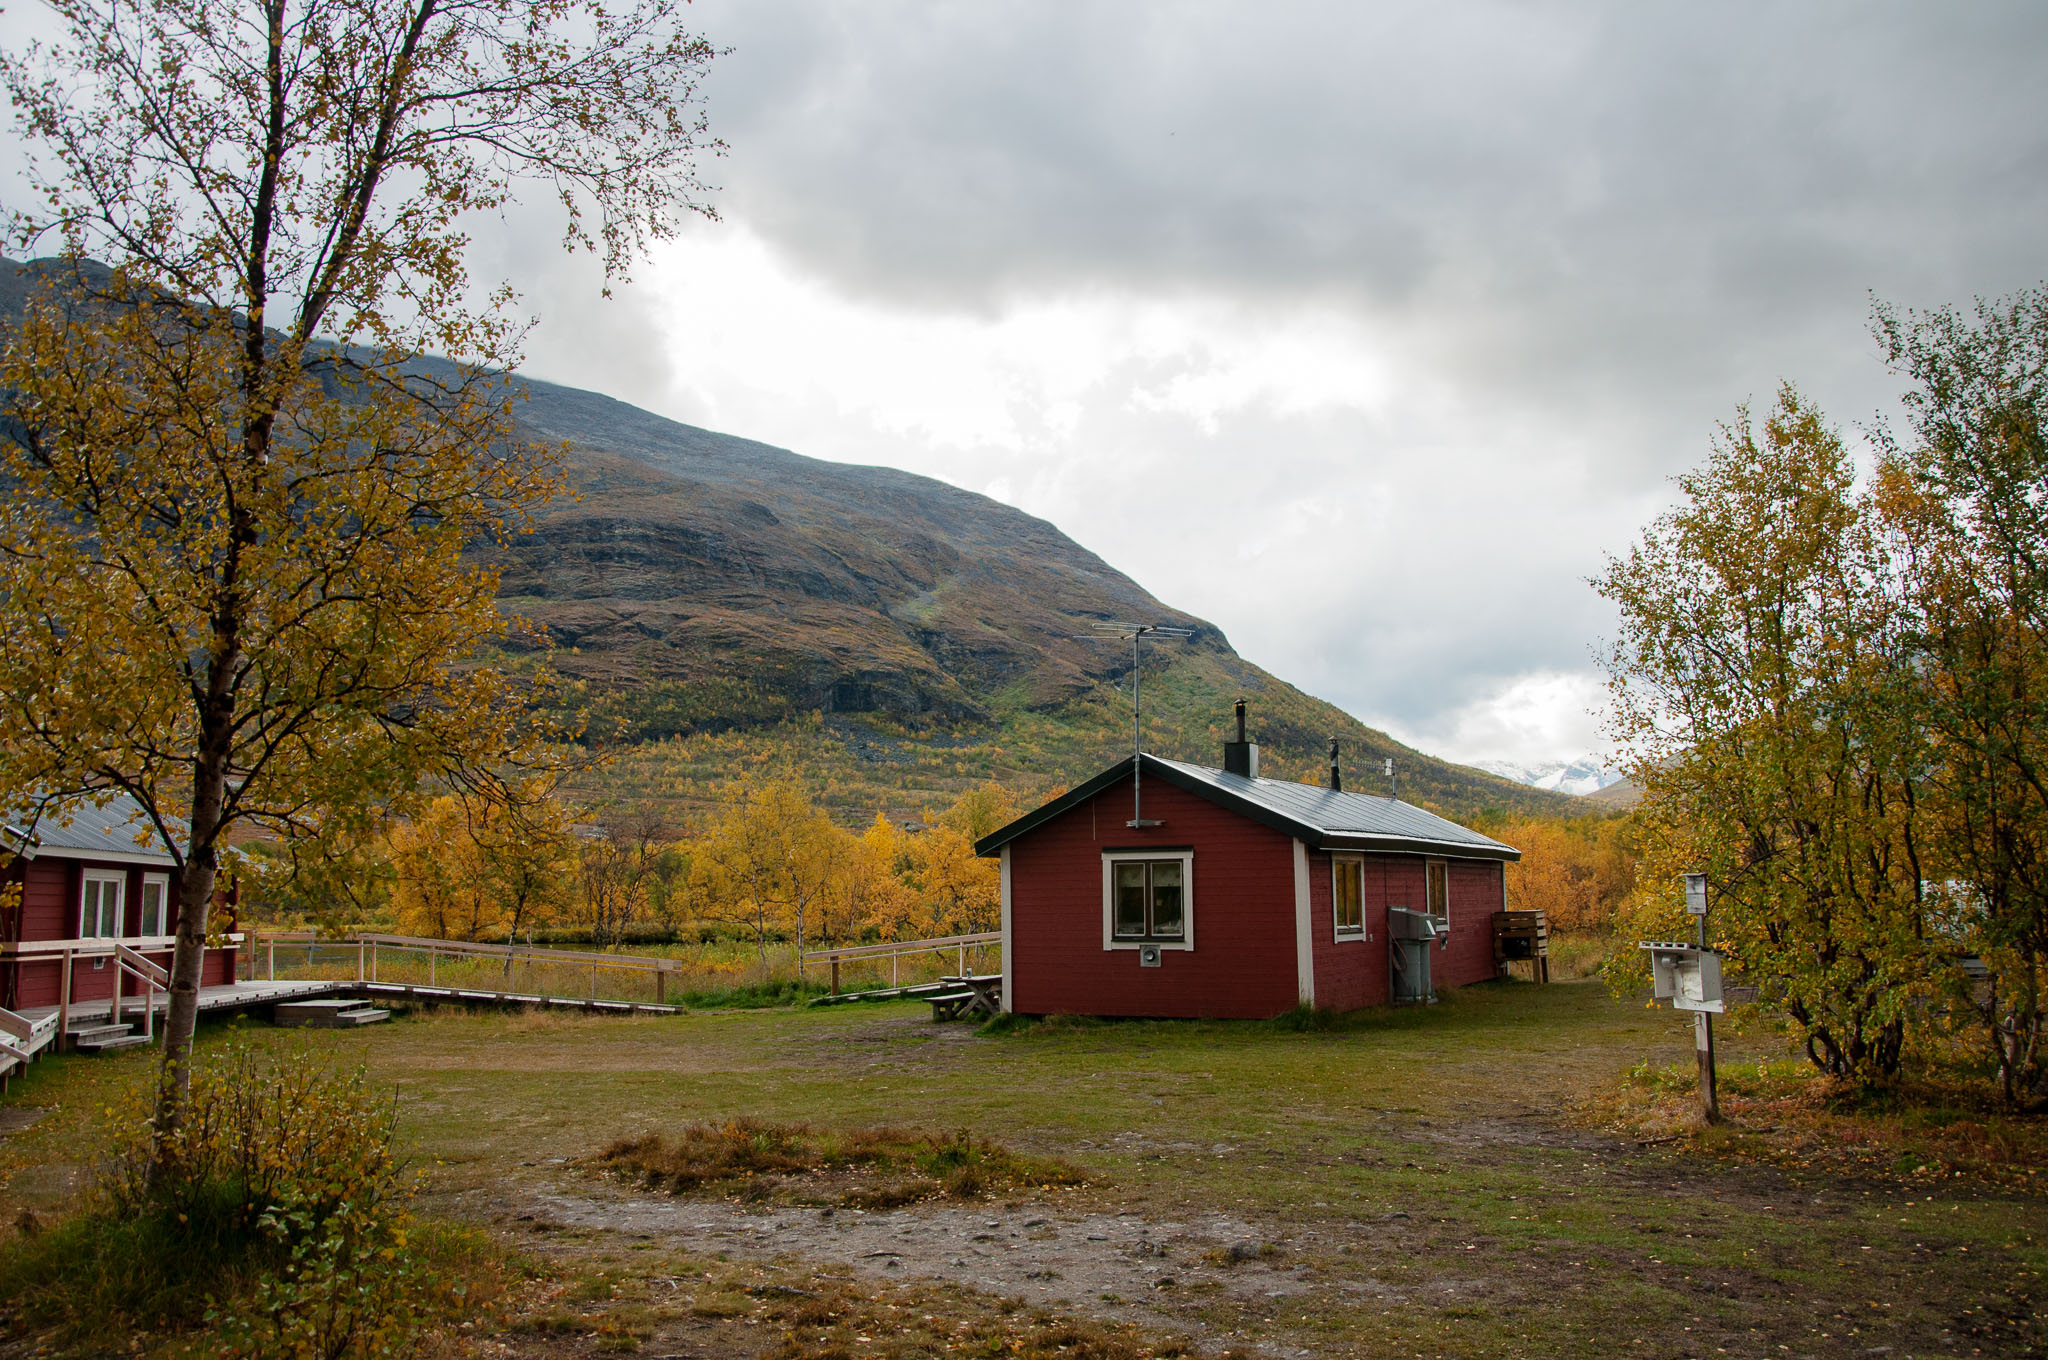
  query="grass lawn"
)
[{"x": 1416, "y": 1182}]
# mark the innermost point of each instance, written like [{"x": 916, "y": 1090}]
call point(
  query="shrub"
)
[{"x": 276, "y": 1218}]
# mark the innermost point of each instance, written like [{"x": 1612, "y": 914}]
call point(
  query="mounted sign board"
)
[
  {"x": 1686, "y": 975},
  {"x": 1696, "y": 894}
]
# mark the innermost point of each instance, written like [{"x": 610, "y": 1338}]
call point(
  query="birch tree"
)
[
  {"x": 232, "y": 570},
  {"x": 1766, "y": 695}
]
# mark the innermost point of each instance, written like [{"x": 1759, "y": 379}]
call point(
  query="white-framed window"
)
[
  {"x": 156, "y": 895},
  {"x": 1148, "y": 898},
  {"x": 99, "y": 905},
  {"x": 1347, "y": 896},
  {"x": 1437, "y": 881}
]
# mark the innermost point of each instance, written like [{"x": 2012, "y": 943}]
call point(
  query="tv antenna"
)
[{"x": 1107, "y": 630}]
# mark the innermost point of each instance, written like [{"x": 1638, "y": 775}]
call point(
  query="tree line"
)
[
  {"x": 1831, "y": 680},
  {"x": 767, "y": 864}
]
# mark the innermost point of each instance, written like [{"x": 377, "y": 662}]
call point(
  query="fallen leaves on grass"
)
[
  {"x": 1787, "y": 1115},
  {"x": 860, "y": 1168},
  {"x": 792, "y": 1313}
]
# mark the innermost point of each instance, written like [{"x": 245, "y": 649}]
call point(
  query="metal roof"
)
[
  {"x": 1323, "y": 818},
  {"x": 76, "y": 829}
]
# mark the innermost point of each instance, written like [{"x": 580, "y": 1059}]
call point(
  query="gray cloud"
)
[
  {"x": 1584, "y": 201},
  {"x": 1585, "y": 231}
]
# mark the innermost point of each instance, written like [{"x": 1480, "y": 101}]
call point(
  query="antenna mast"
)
[{"x": 1118, "y": 630}]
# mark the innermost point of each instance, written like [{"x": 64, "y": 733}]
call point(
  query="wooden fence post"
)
[
  {"x": 64, "y": 1003},
  {"x": 835, "y": 975}
]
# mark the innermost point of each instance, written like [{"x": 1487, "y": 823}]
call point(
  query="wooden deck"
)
[{"x": 240, "y": 996}]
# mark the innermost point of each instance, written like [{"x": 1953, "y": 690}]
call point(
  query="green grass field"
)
[{"x": 1419, "y": 1182}]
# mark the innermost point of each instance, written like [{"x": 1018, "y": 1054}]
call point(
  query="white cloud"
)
[{"x": 1362, "y": 331}]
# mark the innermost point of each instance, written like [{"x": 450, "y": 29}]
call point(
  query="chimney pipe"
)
[
  {"x": 1241, "y": 757},
  {"x": 1336, "y": 773}
]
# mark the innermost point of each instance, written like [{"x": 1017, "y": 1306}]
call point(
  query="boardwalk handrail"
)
[
  {"x": 21, "y": 1037},
  {"x": 145, "y": 970},
  {"x": 894, "y": 950},
  {"x": 889, "y": 947},
  {"x": 540, "y": 953},
  {"x": 104, "y": 946},
  {"x": 366, "y": 946}
]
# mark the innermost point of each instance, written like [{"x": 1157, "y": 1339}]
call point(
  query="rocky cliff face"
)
[{"x": 850, "y": 589}]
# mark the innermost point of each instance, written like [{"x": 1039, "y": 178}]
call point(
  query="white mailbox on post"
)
[{"x": 1686, "y": 975}]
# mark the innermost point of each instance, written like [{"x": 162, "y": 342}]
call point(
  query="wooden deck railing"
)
[
  {"x": 896, "y": 950},
  {"x": 128, "y": 954},
  {"x": 372, "y": 951}
]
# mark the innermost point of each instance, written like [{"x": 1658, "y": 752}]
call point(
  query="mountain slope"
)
[
  {"x": 724, "y": 607},
  {"x": 701, "y": 584}
]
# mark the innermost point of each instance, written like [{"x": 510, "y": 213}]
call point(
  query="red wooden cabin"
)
[
  {"x": 1215, "y": 893},
  {"x": 90, "y": 878}
]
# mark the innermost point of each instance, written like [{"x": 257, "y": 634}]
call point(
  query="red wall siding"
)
[
  {"x": 49, "y": 900},
  {"x": 50, "y": 895},
  {"x": 1475, "y": 896},
  {"x": 1353, "y": 972},
  {"x": 1243, "y": 963}
]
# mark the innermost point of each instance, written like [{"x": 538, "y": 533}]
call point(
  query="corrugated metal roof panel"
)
[
  {"x": 1327, "y": 820},
  {"x": 1336, "y": 813},
  {"x": 118, "y": 828}
]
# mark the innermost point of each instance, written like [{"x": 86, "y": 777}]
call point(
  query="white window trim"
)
[
  {"x": 1342, "y": 934},
  {"x": 162, "y": 882},
  {"x": 1445, "y": 865},
  {"x": 1112, "y": 858},
  {"x": 120, "y": 882}
]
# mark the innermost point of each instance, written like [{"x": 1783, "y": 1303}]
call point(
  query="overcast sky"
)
[{"x": 1362, "y": 330}]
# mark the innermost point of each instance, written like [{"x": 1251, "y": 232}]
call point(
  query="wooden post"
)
[
  {"x": 1703, "y": 1043},
  {"x": 373, "y": 960},
  {"x": 963, "y": 960},
  {"x": 835, "y": 975},
  {"x": 271, "y": 975},
  {"x": 660, "y": 985},
  {"x": 64, "y": 1003},
  {"x": 114, "y": 1011},
  {"x": 433, "y": 975},
  {"x": 1703, "y": 1048},
  {"x": 895, "y": 977},
  {"x": 593, "y": 982}
]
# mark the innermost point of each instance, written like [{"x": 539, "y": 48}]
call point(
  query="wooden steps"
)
[
  {"x": 327, "y": 1013},
  {"x": 106, "y": 1038}
]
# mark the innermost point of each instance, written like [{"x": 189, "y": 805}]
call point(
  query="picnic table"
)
[{"x": 970, "y": 994}]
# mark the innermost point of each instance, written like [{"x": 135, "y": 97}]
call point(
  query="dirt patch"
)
[
  {"x": 13, "y": 1119},
  {"x": 1116, "y": 1265}
]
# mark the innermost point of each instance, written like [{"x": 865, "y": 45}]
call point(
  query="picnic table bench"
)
[{"x": 968, "y": 995}]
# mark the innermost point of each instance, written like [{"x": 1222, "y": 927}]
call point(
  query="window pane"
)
[
  {"x": 1350, "y": 895},
  {"x": 1130, "y": 899},
  {"x": 1439, "y": 895},
  {"x": 1166, "y": 900},
  {"x": 152, "y": 909}
]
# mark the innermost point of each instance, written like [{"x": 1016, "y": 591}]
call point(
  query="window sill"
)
[{"x": 1181, "y": 945}]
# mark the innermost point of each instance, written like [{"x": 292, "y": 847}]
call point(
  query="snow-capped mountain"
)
[{"x": 1582, "y": 776}]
